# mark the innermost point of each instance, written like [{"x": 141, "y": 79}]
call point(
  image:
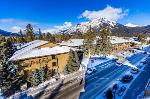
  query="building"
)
[
  {"x": 39, "y": 53},
  {"x": 118, "y": 43},
  {"x": 75, "y": 43}
]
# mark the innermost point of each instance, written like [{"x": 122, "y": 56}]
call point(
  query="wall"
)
[{"x": 36, "y": 63}]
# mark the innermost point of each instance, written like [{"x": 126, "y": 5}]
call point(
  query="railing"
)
[{"x": 51, "y": 86}]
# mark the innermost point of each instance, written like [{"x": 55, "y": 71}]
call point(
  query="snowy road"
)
[
  {"x": 140, "y": 82},
  {"x": 97, "y": 82},
  {"x": 106, "y": 74}
]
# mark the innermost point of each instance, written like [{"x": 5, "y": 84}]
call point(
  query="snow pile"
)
[
  {"x": 85, "y": 62},
  {"x": 94, "y": 61},
  {"x": 42, "y": 52},
  {"x": 1, "y": 97},
  {"x": 112, "y": 57}
]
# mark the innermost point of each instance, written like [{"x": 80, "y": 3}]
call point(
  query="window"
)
[
  {"x": 53, "y": 63},
  {"x": 53, "y": 57}
]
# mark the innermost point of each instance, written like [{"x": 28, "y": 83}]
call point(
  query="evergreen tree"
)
[
  {"x": 22, "y": 39},
  {"x": 42, "y": 74},
  {"x": 73, "y": 62},
  {"x": 78, "y": 35},
  {"x": 29, "y": 33},
  {"x": 88, "y": 43},
  {"x": 103, "y": 44},
  {"x": 40, "y": 35},
  {"x": 141, "y": 37},
  {"x": 43, "y": 36},
  {"x": 109, "y": 94},
  {"x": 10, "y": 78},
  {"x": 33, "y": 77},
  {"x": 49, "y": 36}
]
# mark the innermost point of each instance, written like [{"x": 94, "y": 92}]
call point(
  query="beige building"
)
[
  {"x": 38, "y": 53},
  {"x": 118, "y": 43}
]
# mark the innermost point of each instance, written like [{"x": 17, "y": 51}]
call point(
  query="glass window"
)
[
  {"x": 53, "y": 63},
  {"x": 53, "y": 57}
]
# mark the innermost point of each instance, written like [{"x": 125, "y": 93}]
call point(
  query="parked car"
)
[
  {"x": 118, "y": 64},
  {"x": 144, "y": 62},
  {"x": 134, "y": 70},
  {"x": 91, "y": 70},
  {"x": 126, "y": 78},
  {"x": 145, "y": 52},
  {"x": 121, "y": 90}
]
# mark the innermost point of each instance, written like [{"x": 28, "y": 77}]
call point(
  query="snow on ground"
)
[
  {"x": 1, "y": 97},
  {"x": 120, "y": 84},
  {"x": 28, "y": 91},
  {"x": 129, "y": 64},
  {"x": 96, "y": 60}
]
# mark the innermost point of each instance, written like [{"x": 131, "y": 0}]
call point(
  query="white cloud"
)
[
  {"x": 13, "y": 25},
  {"x": 110, "y": 13},
  {"x": 131, "y": 25},
  {"x": 58, "y": 28},
  {"x": 15, "y": 29}
]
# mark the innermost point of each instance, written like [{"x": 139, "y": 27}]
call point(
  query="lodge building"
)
[{"x": 38, "y": 53}]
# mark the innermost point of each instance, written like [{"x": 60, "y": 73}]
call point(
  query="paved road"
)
[
  {"x": 99, "y": 81},
  {"x": 96, "y": 83},
  {"x": 140, "y": 82}
]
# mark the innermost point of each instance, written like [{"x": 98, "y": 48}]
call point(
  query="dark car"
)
[
  {"x": 145, "y": 52},
  {"x": 134, "y": 70},
  {"x": 126, "y": 78},
  {"x": 145, "y": 62}
]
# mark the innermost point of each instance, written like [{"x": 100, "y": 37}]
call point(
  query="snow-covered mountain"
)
[{"x": 94, "y": 24}]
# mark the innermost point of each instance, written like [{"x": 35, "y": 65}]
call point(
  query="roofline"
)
[{"x": 37, "y": 57}]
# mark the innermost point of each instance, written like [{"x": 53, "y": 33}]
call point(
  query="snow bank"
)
[
  {"x": 1, "y": 97},
  {"x": 130, "y": 65}
]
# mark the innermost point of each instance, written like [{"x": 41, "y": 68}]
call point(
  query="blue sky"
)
[{"x": 49, "y": 14}]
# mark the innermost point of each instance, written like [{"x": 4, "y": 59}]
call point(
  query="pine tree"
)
[
  {"x": 10, "y": 77},
  {"x": 33, "y": 77},
  {"x": 73, "y": 62},
  {"x": 48, "y": 36},
  {"x": 88, "y": 43},
  {"x": 22, "y": 39},
  {"x": 141, "y": 37},
  {"x": 103, "y": 44},
  {"x": 40, "y": 35},
  {"x": 42, "y": 74},
  {"x": 29, "y": 33},
  {"x": 43, "y": 36}
]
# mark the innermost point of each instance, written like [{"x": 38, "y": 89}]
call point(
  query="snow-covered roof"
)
[
  {"x": 38, "y": 52},
  {"x": 134, "y": 41},
  {"x": 147, "y": 39},
  {"x": 115, "y": 40},
  {"x": 72, "y": 42},
  {"x": 29, "y": 46}
]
